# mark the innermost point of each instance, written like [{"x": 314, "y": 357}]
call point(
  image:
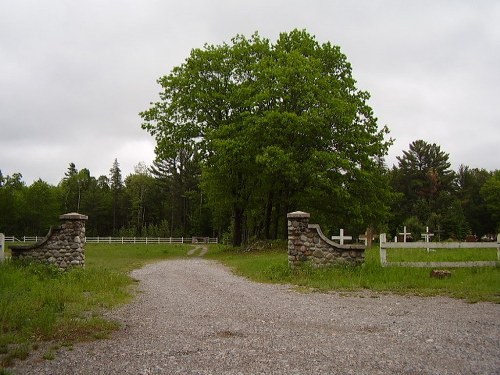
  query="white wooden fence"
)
[
  {"x": 384, "y": 245},
  {"x": 128, "y": 240}
]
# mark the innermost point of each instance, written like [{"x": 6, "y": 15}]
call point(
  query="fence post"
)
[
  {"x": 383, "y": 251},
  {"x": 2, "y": 246},
  {"x": 498, "y": 246}
]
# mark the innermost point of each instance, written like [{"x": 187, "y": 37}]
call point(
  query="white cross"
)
[
  {"x": 427, "y": 236},
  {"x": 341, "y": 238},
  {"x": 404, "y": 234},
  {"x": 364, "y": 238}
]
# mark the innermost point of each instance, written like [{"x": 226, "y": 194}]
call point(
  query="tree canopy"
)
[{"x": 277, "y": 127}]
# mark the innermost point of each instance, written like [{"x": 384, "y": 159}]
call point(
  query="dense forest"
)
[
  {"x": 156, "y": 201},
  {"x": 248, "y": 131}
]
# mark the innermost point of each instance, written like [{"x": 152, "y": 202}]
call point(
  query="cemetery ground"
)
[{"x": 39, "y": 305}]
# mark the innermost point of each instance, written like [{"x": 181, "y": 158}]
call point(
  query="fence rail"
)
[
  {"x": 384, "y": 245},
  {"x": 12, "y": 239},
  {"x": 128, "y": 240}
]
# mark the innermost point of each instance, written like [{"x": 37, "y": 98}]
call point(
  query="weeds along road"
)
[{"x": 193, "y": 316}]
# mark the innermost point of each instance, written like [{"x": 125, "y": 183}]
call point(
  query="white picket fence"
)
[
  {"x": 128, "y": 240},
  {"x": 384, "y": 245},
  {"x": 152, "y": 240}
]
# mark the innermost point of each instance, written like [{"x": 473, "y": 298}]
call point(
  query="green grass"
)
[
  {"x": 124, "y": 258},
  {"x": 441, "y": 255},
  {"x": 39, "y": 303},
  {"x": 471, "y": 284}
]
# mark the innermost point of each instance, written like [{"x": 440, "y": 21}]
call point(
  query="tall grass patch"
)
[{"x": 40, "y": 303}]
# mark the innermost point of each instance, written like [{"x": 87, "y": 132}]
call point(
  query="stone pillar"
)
[
  {"x": 298, "y": 226},
  {"x": 71, "y": 240}
]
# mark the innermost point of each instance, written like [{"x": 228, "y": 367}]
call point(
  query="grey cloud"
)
[{"x": 75, "y": 75}]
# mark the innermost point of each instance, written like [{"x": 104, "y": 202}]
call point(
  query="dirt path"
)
[
  {"x": 195, "y": 317},
  {"x": 202, "y": 249}
]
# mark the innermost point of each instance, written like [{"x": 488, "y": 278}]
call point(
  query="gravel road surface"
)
[{"x": 194, "y": 316}]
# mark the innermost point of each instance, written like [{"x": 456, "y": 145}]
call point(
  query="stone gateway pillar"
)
[
  {"x": 63, "y": 246},
  {"x": 72, "y": 239},
  {"x": 307, "y": 243}
]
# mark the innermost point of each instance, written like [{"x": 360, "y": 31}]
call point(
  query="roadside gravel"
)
[{"x": 194, "y": 316}]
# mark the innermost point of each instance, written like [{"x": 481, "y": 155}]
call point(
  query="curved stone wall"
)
[
  {"x": 63, "y": 246},
  {"x": 307, "y": 243}
]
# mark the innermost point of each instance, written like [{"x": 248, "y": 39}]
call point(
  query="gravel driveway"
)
[{"x": 194, "y": 316}]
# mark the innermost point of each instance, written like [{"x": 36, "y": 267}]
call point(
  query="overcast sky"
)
[{"x": 75, "y": 74}]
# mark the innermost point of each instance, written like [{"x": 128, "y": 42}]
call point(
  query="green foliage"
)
[
  {"x": 490, "y": 192},
  {"x": 427, "y": 190},
  {"x": 278, "y": 126},
  {"x": 469, "y": 182},
  {"x": 413, "y": 226}
]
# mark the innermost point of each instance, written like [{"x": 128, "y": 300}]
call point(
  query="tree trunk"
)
[
  {"x": 284, "y": 219},
  {"x": 369, "y": 237},
  {"x": 276, "y": 220},
  {"x": 267, "y": 219},
  {"x": 237, "y": 226}
]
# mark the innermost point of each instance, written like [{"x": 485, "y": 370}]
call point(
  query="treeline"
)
[
  {"x": 452, "y": 204},
  {"x": 162, "y": 201},
  {"x": 148, "y": 202}
]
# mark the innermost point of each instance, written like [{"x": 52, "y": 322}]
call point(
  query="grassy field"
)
[
  {"x": 40, "y": 304},
  {"x": 441, "y": 255}
]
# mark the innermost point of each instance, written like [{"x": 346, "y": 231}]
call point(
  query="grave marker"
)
[
  {"x": 427, "y": 236},
  {"x": 341, "y": 238},
  {"x": 364, "y": 238},
  {"x": 404, "y": 234}
]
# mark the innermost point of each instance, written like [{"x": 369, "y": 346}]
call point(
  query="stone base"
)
[{"x": 440, "y": 274}]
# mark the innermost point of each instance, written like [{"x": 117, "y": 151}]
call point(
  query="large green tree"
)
[
  {"x": 279, "y": 127},
  {"x": 116, "y": 185},
  {"x": 427, "y": 189}
]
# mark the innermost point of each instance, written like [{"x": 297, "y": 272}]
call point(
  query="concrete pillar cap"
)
[
  {"x": 73, "y": 216},
  {"x": 298, "y": 214}
]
